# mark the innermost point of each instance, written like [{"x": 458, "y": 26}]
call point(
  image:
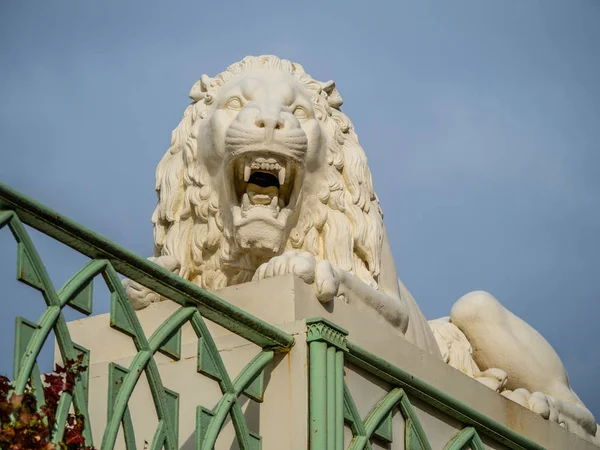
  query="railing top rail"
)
[{"x": 143, "y": 271}]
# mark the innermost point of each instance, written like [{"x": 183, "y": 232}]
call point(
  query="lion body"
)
[{"x": 265, "y": 176}]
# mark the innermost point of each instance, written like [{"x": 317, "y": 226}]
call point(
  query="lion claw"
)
[
  {"x": 304, "y": 266},
  {"x": 537, "y": 402},
  {"x": 327, "y": 281},
  {"x": 140, "y": 296}
]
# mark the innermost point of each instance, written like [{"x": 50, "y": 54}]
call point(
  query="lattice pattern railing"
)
[
  {"x": 195, "y": 305},
  {"x": 332, "y": 404}
]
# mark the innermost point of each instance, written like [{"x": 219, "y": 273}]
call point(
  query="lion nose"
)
[{"x": 269, "y": 122}]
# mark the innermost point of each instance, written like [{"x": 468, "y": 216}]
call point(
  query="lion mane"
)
[{"x": 342, "y": 224}]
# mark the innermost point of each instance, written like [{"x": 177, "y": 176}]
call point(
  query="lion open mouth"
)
[{"x": 266, "y": 182}]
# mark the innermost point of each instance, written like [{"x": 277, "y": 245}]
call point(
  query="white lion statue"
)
[{"x": 265, "y": 176}]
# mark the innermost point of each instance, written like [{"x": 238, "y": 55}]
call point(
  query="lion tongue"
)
[{"x": 258, "y": 195}]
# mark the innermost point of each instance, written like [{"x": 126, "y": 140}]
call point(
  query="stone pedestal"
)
[{"x": 282, "y": 418}]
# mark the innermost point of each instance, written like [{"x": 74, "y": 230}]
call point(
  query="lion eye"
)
[
  {"x": 234, "y": 103},
  {"x": 300, "y": 113}
]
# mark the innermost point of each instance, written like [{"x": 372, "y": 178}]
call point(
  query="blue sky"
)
[{"x": 481, "y": 121}]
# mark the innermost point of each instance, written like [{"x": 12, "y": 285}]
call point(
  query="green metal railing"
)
[
  {"x": 332, "y": 404},
  {"x": 107, "y": 259},
  {"x": 331, "y": 354}
]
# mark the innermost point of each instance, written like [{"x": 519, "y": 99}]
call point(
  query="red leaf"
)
[{"x": 32, "y": 428}]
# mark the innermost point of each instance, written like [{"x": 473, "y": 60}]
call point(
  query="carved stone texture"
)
[{"x": 320, "y": 329}]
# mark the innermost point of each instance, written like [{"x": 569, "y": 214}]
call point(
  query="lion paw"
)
[
  {"x": 303, "y": 265},
  {"x": 140, "y": 296},
  {"x": 495, "y": 379},
  {"x": 537, "y": 402},
  {"x": 544, "y": 405}
]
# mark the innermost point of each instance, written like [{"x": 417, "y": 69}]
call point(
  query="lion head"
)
[{"x": 264, "y": 161}]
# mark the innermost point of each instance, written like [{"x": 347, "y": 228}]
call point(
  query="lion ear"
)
[
  {"x": 200, "y": 88},
  {"x": 334, "y": 99}
]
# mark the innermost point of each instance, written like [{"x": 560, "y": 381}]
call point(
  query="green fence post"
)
[{"x": 327, "y": 345}]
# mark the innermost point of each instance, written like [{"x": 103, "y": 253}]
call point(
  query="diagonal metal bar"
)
[
  {"x": 374, "y": 418},
  {"x": 231, "y": 390},
  {"x": 361, "y": 439},
  {"x": 202, "y": 332},
  {"x": 249, "y": 373},
  {"x": 143, "y": 271},
  {"x": 382, "y": 409},
  {"x": 62, "y": 411},
  {"x": 465, "y": 437},
  {"x": 229, "y": 403},
  {"x": 45, "y": 325},
  {"x": 414, "y": 432},
  {"x": 159, "y": 437},
  {"x": 71, "y": 288},
  {"x": 66, "y": 294}
]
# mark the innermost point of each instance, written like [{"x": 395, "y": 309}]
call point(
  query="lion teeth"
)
[
  {"x": 247, "y": 171},
  {"x": 282, "y": 176},
  {"x": 274, "y": 206},
  {"x": 281, "y": 202},
  {"x": 245, "y": 202}
]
